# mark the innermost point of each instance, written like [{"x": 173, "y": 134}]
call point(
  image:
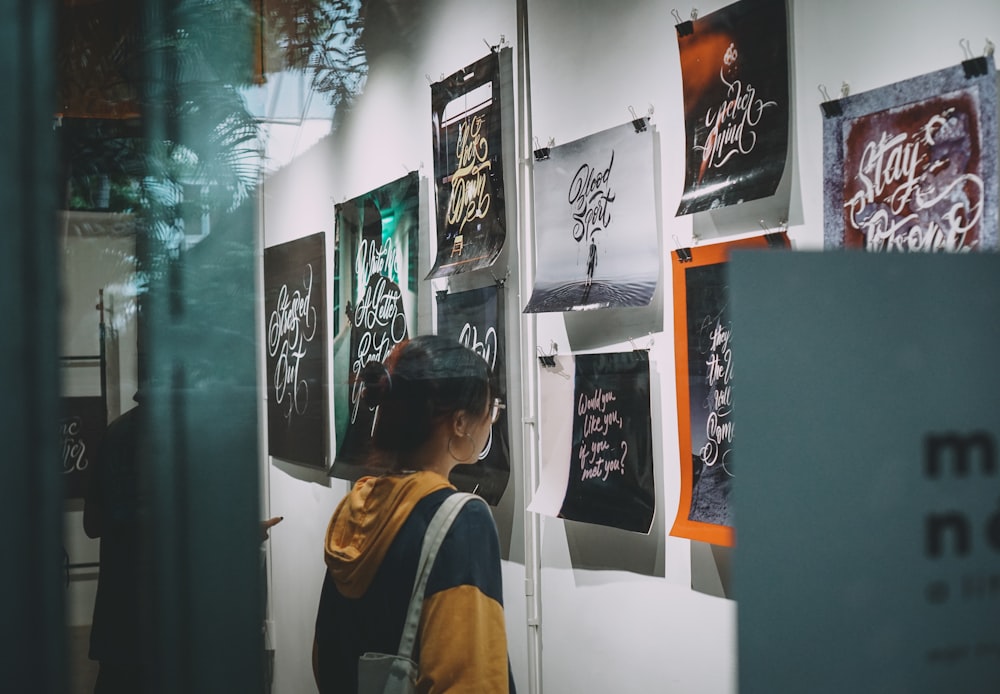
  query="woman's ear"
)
[{"x": 460, "y": 423}]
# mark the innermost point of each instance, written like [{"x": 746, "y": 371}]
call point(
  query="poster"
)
[
  {"x": 468, "y": 167},
  {"x": 913, "y": 166},
  {"x": 597, "y": 452},
  {"x": 705, "y": 371},
  {"x": 595, "y": 221},
  {"x": 734, "y": 69},
  {"x": 476, "y": 319},
  {"x": 82, "y": 424},
  {"x": 295, "y": 325},
  {"x": 869, "y": 459},
  {"x": 378, "y": 236}
]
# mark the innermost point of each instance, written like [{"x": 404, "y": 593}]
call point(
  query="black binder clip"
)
[
  {"x": 684, "y": 255},
  {"x": 775, "y": 239},
  {"x": 683, "y": 28},
  {"x": 548, "y": 360},
  {"x": 638, "y": 123},
  {"x": 832, "y": 108},
  {"x": 349, "y": 310},
  {"x": 542, "y": 153},
  {"x": 975, "y": 67}
]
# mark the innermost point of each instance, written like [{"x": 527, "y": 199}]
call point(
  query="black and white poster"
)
[
  {"x": 913, "y": 166},
  {"x": 595, "y": 221},
  {"x": 597, "y": 452},
  {"x": 82, "y": 424},
  {"x": 378, "y": 234},
  {"x": 295, "y": 315},
  {"x": 734, "y": 66},
  {"x": 476, "y": 319},
  {"x": 468, "y": 167}
]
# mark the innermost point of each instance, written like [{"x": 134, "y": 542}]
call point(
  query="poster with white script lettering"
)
[
  {"x": 595, "y": 220},
  {"x": 82, "y": 423},
  {"x": 597, "y": 453},
  {"x": 703, "y": 349},
  {"x": 295, "y": 314},
  {"x": 611, "y": 457},
  {"x": 913, "y": 166},
  {"x": 476, "y": 319},
  {"x": 378, "y": 235},
  {"x": 734, "y": 66},
  {"x": 468, "y": 167}
]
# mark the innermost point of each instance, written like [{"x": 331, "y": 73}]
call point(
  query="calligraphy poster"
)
[
  {"x": 913, "y": 166},
  {"x": 295, "y": 311},
  {"x": 734, "y": 68},
  {"x": 468, "y": 167},
  {"x": 81, "y": 427},
  {"x": 476, "y": 319},
  {"x": 597, "y": 462},
  {"x": 705, "y": 369},
  {"x": 378, "y": 233},
  {"x": 595, "y": 221}
]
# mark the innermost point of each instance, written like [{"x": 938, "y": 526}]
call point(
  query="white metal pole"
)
[{"x": 529, "y": 381}]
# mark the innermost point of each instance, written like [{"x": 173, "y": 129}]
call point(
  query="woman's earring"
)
[{"x": 472, "y": 446}]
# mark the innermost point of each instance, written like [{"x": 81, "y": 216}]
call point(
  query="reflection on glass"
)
[{"x": 169, "y": 115}]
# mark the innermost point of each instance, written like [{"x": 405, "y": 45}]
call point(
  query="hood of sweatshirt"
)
[{"x": 366, "y": 522}]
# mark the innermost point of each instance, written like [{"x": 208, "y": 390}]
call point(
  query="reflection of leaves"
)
[{"x": 322, "y": 37}]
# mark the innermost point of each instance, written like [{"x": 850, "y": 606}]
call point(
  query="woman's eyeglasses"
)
[{"x": 498, "y": 405}]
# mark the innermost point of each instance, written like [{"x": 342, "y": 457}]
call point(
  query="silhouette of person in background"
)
[{"x": 111, "y": 513}]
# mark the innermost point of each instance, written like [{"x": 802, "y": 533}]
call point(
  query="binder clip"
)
[
  {"x": 974, "y": 66},
  {"x": 775, "y": 239},
  {"x": 831, "y": 107},
  {"x": 548, "y": 360},
  {"x": 683, "y": 28},
  {"x": 638, "y": 123},
  {"x": 542, "y": 153},
  {"x": 684, "y": 255}
]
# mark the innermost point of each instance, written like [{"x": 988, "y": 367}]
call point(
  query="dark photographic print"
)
[
  {"x": 476, "y": 319},
  {"x": 611, "y": 457},
  {"x": 295, "y": 315},
  {"x": 378, "y": 246},
  {"x": 595, "y": 221},
  {"x": 468, "y": 167},
  {"x": 734, "y": 67},
  {"x": 82, "y": 423},
  {"x": 703, "y": 350},
  {"x": 913, "y": 166}
]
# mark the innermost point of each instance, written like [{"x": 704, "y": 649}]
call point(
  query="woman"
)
[{"x": 435, "y": 411}]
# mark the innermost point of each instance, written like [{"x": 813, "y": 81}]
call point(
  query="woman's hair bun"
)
[{"x": 377, "y": 382}]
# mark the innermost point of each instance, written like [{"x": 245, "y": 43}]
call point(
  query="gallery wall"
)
[
  {"x": 619, "y": 611},
  {"x": 98, "y": 253}
]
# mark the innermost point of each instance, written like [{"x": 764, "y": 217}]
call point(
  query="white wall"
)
[
  {"x": 97, "y": 252},
  {"x": 619, "y": 612}
]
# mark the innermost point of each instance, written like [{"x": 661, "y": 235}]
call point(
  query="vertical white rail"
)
[{"x": 528, "y": 340}]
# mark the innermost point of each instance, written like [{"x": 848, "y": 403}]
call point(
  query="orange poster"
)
[{"x": 704, "y": 362}]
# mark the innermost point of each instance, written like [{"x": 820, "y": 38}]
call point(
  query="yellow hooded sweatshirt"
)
[{"x": 371, "y": 550}]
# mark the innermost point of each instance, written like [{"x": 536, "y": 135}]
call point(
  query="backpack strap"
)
[{"x": 436, "y": 531}]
